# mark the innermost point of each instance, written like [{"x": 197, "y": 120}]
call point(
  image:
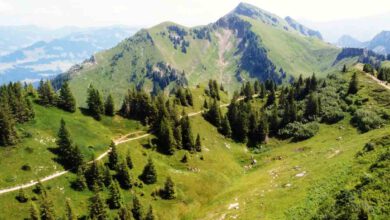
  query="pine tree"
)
[
  {"x": 186, "y": 132},
  {"x": 271, "y": 98},
  {"x": 95, "y": 103},
  {"x": 80, "y": 183},
  {"x": 149, "y": 174},
  {"x": 344, "y": 70},
  {"x": 274, "y": 120},
  {"x": 66, "y": 100},
  {"x": 312, "y": 107},
  {"x": 198, "y": 144},
  {"x": 205, "y": 104},
  {"x": 76, "y": 157},
  {"x": 263, "y": 129},
  {"x": 262, "y": 91},
  {"x": 34, "y": 213},
  {"x": 46, "y": 93},
  {"x": 168, "y": 192},
  {"x": 353, "y": 84},
  {"x": 213, "y": 115},
  {"x": 97, "y": 208},
  {"x": 107, "y": 178},
  {"x": 123, "y": 176},
  {"x": 129, "y": 161},
  {"x": 47, "y": 209},
  {"x": 115, "y": 198},
  {"x": 94, "y": 176},
  {"x": 225, "y": 127},
  {"x": 8, "y": 134},
  {"x": 70, "y": 214},
  {"x": 150, "y": 215},
  {"x": 64, "y": 142},
  {"x": 137, "y": 209},
  {"x": 253, "y": 136},
  {"x": 165, "y": 137},
  {"x": 113, "y": 157},
  {"x": 109, "y": 107}
]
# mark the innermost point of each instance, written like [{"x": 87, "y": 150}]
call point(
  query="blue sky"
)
[{"x": 56, "y": 13}]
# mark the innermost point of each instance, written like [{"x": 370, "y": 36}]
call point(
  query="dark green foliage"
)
[
  {"x": 113, "y": 157},
  {"x": 39, "y": 188},
  {"x": 238, "y": 115},
  {"x": 97, "y": 208},
  {"x": 150, "y": 215},
  {"x": 47, "y": 96},
  {"x": 168, "y": 192},
  {"x": 66, "y": 100},
  {"x": 366, "y": 120},
  {"x": 274, "y": 120},
  {"x": 271, "y": 98},
  {"x": 69, "y": 212},
  {"x": 19, "y": 105},
  {"x": 263, "y": 129},
  {"x": 8, "y": 134},
  {"x": 107, "y": 178},
  {"x": 186, "y": 134},
  {"x": 184, "y": 159},
  {"x": 124, "y": 213},
  {"x": 225, "y": 127},
  {"x": 368, "y": 68},
  {"x": 129, "y": 161},
  {"x": 213, "y": 114},
  {"x": 353, "y": 84},
  {"x": 47, "y": 209},
  {"x": 184, "y": 96},
  {"x": 109, "y": 106},
  {"x": 149, "y": 174},
  {"x": 344, "y": 70},
  {"x": 95, "y": 103},
  {"x": 248, "y": 91},
  {"x": 123, "y": 176},
  {"x": 198, "y": 144},
  {"x": 138, "y": 105},
  {"x": 165, "y": 137},
  {"x": 213, "y": 90},
  {"x": 94, "y": 176},
  {"x": 262, "y": 91},
  {"x": 136, "y": 210},
  {"x": 312, "y": 109},
  {"x": 299, "y": 131},
  {"x": 384, "y": 74},
  {"x": 22, "y": 197},
  {"x": 115, "y": 197},
  {"x": 34, "y": 213},
  {"x": 80, "y": 183}
]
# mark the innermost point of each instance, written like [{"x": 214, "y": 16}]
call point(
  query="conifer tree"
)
[
  {"x": 198, "y": 144},
  {"x": 115, "y": 198},
  {"x": 109, "y": 106},
  {"x": 70, "y": 214},
  {"x": 312, "y": 107},
  {"x": 225, "y": 127},
  {"x": 149, "y": 174},
  {"x": 8, "y": 134},
  {"x": 94, "y": 176},
  {"x": 107, "y": 178},
  {"x": 186, "y": 132},
  {"x": 136, "y": 210},
  {"x": 262, "y": 91},
  {"x": 271, "y": 98},
  {"x": 274, "y": 120},
  {"x": 353, "y": 84},
  {"x": 47, "y": 209},
  {"x": 46, "y": 93},
  {"x": 95, "y": 103},
  {"x": 64, "y": 142},
  {"x": 189, "y": 99},
  {"x": 66, "y": 100},
  {"x": 178, "y": 136},
  {"x": 253, "y": 136},
  {"x": 97, "y": 208},
  {"x": 263, "y": 129},
  {"x": 80, "y": 183},
  {"x": 129, "y": 161},
  {"x": 168, "y": 192},
  {"x": 123, "y": 176},
  {"x": 344, "y": 70},
  {"x": 150, "y": 215},
  {"x": 113, "y": 157},
  {"x": 205, "y": 104},
  {"x": 213, "y": 115},
  {"x": 34, "y": 213},
  {"x": 165, "y": 137},
  {"x": 313, "y": 83}
]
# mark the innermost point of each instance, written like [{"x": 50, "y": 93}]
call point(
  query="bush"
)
[
  {"x": 332, "y": 114},
  {"x": 299, "y": 131},
  {"x": 26, "y": 167},
  {"x": 366, "y": 120}
]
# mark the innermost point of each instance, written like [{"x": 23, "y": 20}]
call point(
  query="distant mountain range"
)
[
  {"x": 379, "y": 44},
  {"x": 45, "y": 59}
]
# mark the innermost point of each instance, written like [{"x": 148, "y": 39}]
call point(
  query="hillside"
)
[{"x": 245, "y": 44}]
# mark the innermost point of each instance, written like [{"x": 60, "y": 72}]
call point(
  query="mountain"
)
[
  {"x": 348, "y": 41},
  {"x": 47, "y": 59},
  {"x": 302, "y": 29},
  {"x": 381, "y": 43},
  {"x": 245, "y": 44}
]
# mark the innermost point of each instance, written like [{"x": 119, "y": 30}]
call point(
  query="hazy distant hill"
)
[
  {"x": 47, "y": 59},
  {"x": 379, "y": 44}
]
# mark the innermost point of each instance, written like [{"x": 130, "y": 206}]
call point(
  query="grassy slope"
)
[
  {"x": 222, "y": 179},
  {"x": 92, "y": 137}
]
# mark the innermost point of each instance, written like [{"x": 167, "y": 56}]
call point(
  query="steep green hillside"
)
[{"x": 245, "y": 44}]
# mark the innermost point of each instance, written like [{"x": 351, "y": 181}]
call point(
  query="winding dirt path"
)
[{"x": 380, "y": 82}]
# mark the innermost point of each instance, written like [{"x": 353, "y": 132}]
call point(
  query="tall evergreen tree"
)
[
  {"x": 166, "y": 140},
  {"x": 94, "y": 176},
  {"x": 225, "y": 127},
  {"x": 66, "y": 99},
  {"x": 344, "y": 70},
  {"x": 149, "y": 174},
  {"x": 129, "y": 161},
  {"x": 69, "y": 212},
  {"x": 46, "y": 93},
  {"x": 80, "y": 183},
  {"x": 97, "y": 208},
  {"x": 107, "y": 178},
  {"x": 113, "y": 157},
  {"x": 274, "y": 120},
  {"x": 271, "y": 98},
  {"x": 353, "y": 84},
  {"x": 109, "y": 106},
  {"x": 115, "y": 198},
  {"x": 95, "y": 103},
  {"x": 168, "y": 192},
  {"x": 186, "y": 132},
  {"x": 198, "y": 144},
  {"x": 137, "y": 209},
  {"x": 213, "y": 115},
  {"x": 262, "y": 91},
  {"x": 8, "y": 134},
  {"x": 123, "y": 176},
  {"x": 312, "y": 106},
  {"x": 64, "y": 141},
  {"x": 263, "y": 129}
]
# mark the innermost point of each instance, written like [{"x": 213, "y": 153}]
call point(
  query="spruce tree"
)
[
  {"x": 344, "y": 70},
  {"x": 213, "y": 115},
  {"x": 95, "y": 103},
  {"x": 271, "y": 98},
  {"x": 109, "y": 107},
  {"x": 198, "y": 144},
  {"x": 123, "y": 176},
  {"x": 129, "y": 161},
  {"x": 165, "y": 137},
  {"x": 263, "y": 129},
  {"x": 136, "y": 210},
  {"x": 64, "y": 143},
  {"x": 80, "y": 183},
  {"x": 353, "y": 84},
  {"x": 97, "y": 208},
  {"x": 34, "y": 213},
  {"x": 46, "y": 93},
  {"x": 262, "y": 91},
  {"x": 150, "y": 215},
  {"x": 47, "y": 209},
  {"x": 113, "y": 157},
  {"x": 8, "y": 134},
  {"x": 186, "y": 133},
  {"x": 225, "y": 127},
  {"x": 274, "y": 120},
  {"x": 168, "y": 192},
  {"x": 115, "y": 198},
  {"x": 312, "y": 107},
  {"x": 66, "y": 100},
  {"x": 149, "y": 174},
  {"x": 70, "y": 214},
  {"x": 94, "y": 176},
  {"x": 107, "y": 178}
]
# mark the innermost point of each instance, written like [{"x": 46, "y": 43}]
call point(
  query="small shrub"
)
[
  {"x": 26, "y": 167},
  {"x": 299, "y": 131},
  {"x": 366, "y": 120}
]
